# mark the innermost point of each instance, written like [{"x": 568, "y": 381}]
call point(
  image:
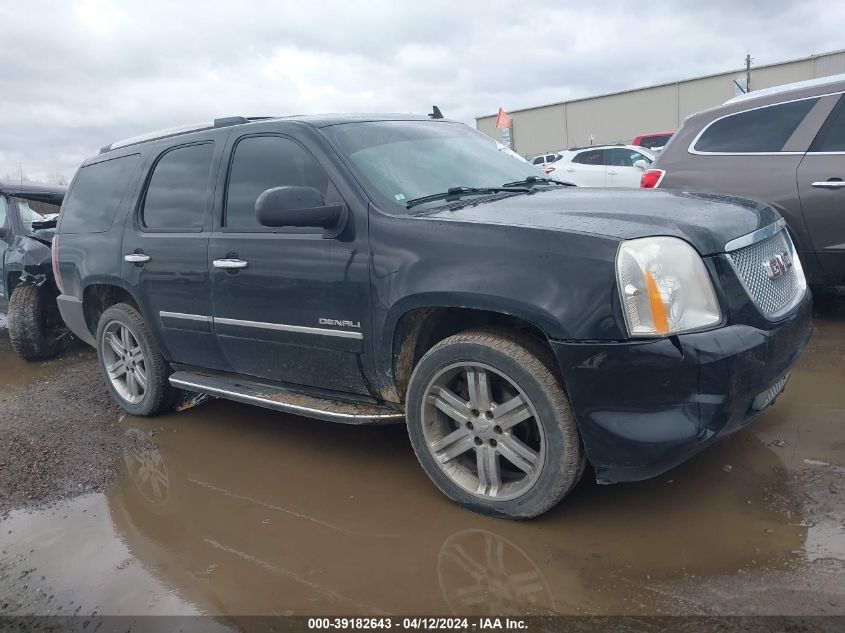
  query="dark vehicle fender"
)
[
  {"x": 28, "y": 260},
  {"x": 409, "y": 316},
  {"x": 561, "y": 285},
  {"x": 99, "y": 293}
]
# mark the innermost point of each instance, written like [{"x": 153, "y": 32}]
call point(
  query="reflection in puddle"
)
[
  {"x": 482, "y": 573},
  {"x": 146, "y": 469}
]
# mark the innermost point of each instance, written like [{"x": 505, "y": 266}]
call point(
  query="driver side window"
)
[{"x": 264, "y": 162}]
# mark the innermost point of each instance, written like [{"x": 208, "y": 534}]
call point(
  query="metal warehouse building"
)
[{"x": 620, "y": 116}]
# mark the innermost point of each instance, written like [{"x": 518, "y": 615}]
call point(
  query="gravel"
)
[{"x": 59, "y": 434}]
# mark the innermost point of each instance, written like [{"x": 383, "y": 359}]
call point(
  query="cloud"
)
[{"x": 78, "y": 76}]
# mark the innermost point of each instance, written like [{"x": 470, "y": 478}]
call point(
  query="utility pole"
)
[{"x": 748, "y": 73}]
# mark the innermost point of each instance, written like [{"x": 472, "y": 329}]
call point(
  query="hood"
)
[{"x": 707, "y": 221}]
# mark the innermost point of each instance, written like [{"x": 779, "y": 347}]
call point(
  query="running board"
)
[{"x": 280, "y": 399}]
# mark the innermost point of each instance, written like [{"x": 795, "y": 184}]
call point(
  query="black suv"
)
[
  {"x": 362, "y": 269},
  {"x": 27, "y": 291}
]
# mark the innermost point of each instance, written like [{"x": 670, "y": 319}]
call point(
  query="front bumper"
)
[{"x": 645, "y": 407}]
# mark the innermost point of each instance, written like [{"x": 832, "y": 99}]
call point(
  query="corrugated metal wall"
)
[{"x": 623, "y": 115}]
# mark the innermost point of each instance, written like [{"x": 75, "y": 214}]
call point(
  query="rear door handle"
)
[
  {"x": 136, "y": 258},
  {"x": 830, "y": 184},
  {"x": 230, "y": 263},
  {"x": 612, "y": 172}
]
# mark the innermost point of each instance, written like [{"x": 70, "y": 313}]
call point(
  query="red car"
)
[{"x": 652, "y": 141}]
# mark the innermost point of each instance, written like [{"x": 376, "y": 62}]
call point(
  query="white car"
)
[
  {"x": 601, "y": 166},
  {"x": 544, "y": 160}
]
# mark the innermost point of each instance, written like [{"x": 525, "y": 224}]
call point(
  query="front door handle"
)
[
  {"x": 830, "y": 184},
  {"x": 136, "y": 258},
  {"x": 230, "y": 263},
  {"x": 612, "y": 172}
]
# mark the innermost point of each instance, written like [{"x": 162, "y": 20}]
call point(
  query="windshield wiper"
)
[
  {"x": 454, "y": 193},
  {"x": 533, "y": 180}
]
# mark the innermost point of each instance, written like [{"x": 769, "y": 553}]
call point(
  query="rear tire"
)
[
  {"x": 491, "y": 425},
  {"x": 134, "y": 370},
  {"x": 35, "y": 326}
]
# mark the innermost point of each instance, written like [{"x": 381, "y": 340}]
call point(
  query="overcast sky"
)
[{"x": 79, "y": 75}]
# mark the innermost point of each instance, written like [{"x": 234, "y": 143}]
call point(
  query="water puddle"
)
[{"x": 230, "y": 509}]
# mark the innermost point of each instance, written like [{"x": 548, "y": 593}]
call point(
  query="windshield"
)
[
  {"x": 404, "y": 160},
  {"x": 650, "y": 142}
]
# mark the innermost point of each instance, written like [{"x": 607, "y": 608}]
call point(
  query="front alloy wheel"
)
[
  {"x": 483, "y": 431},
  {"x": 491, "y": 425}
]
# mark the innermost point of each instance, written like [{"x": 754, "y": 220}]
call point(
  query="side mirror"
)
[
  {"x": 641, "y": 164},
  {"x": 302, "y": 207}
]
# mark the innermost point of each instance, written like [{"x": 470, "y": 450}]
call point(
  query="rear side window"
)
[
  {"x": 176, "y": 195},
  {"x": 264, "y": 162},
  {"x": 764, "y": 129},
  {"x": 831, "y": 138},
  {"x": 621, "y": 157},
  {"x": 591, "y": 157},
  {"x": 95, "y": 195},
  {"x": 3, "y": 213}
]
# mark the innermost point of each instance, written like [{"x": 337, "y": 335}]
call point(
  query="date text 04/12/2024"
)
[{"x": 418, "y": 623}]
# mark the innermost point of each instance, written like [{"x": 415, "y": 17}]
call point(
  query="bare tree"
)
[{"x": 57, "y": 179}]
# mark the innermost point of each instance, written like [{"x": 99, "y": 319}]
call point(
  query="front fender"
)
[
  {"x": 27, "y": 261},
  {"x": 563, "y": 283}
]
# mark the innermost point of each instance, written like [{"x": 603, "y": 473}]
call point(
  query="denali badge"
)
[
  {"x": 356, "y": 324},
  {"x": 778, "y": 265}
]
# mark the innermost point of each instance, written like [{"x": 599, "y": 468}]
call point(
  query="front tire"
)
[
  {"x": 36, "y": 329},
  {"x": 135, "y": 372},
  {"x": 491, "y": 425}
]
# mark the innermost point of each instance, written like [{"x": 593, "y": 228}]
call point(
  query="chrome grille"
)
[{"x": 775, "y": 295}]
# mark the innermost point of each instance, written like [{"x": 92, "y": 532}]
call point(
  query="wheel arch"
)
[
  {"x": 100, "y": 295},
  {"x": 417, "y": 328}
]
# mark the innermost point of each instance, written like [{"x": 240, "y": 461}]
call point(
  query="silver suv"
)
[{"x": 784, "y": 145}]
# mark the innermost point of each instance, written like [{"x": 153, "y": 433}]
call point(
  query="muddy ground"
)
[{"x": 227, "y": 509}]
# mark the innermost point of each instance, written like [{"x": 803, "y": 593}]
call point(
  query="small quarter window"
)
[
  {"x": 176, "y": 195},
  {"x": 264, "y": 162},
  {"x": 95, "y": 195},
  {"x": 831, "y": 137},
  {"x": 3, "y": 214},
  {"x": 765, "y": 129}
]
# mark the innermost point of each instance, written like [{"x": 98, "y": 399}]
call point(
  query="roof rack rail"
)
[
  {"x": 178, "y": 130},
  {"x": 597, "y": 146}
]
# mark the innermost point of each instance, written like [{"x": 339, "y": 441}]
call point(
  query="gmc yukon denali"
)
[{"x": 376, "y": 269}]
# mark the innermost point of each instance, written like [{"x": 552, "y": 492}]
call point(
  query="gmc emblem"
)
[{"x": 778, "y": 265}]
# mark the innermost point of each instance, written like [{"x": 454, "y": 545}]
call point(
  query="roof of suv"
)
[
  {"x": 833, "y": 83},
  {"x": 315, "y": 120}
]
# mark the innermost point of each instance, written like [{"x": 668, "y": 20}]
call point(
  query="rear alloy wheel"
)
[
  {"x": 491, "y": 425},
  {"x": 134, "y": 369},
  {"x": 124, "y": 362}
]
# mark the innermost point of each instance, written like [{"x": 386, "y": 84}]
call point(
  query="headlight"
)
[{"x": 665, "y": 287}]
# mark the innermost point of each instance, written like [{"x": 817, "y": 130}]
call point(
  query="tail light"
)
[
  {"x": 651, "y": 178},
  {"x": 548, "y": 170},
  {"x": 54, "y": 249}
]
